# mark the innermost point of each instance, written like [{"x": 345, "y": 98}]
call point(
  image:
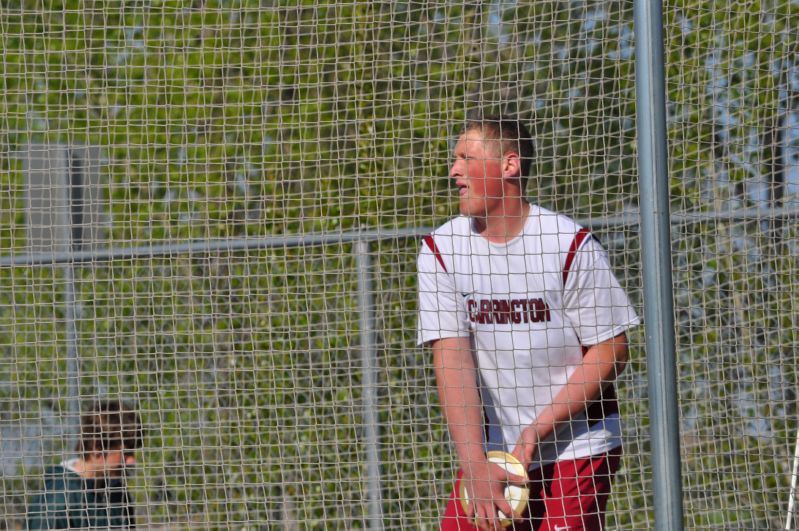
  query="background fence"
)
[{"x": 146, "y": 148}]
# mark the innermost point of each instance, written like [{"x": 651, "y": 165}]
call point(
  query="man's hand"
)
[
  {"x": 485, "y": 484},
  {"x": 526, "y": 446}
]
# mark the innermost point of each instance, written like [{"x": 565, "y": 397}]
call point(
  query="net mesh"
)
[{"x": 184, "y": 186}]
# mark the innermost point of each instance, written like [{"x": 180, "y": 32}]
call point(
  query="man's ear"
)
[{"x": 511, "y": 165}]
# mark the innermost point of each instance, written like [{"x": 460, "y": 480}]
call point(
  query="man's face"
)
[
  {"x": 477, "y": 170},
  {"x": 115, "y": 461}
]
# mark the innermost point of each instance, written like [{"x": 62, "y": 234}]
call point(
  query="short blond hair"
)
[{"x": 512, "y": 136}]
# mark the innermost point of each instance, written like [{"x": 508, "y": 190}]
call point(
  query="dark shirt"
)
[{"x": 69, "y": 501}]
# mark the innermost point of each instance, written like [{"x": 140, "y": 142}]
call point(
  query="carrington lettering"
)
[{"x": 488, "y": 311}]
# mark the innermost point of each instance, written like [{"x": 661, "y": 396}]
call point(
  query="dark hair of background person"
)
[{"x": 110, "y": 425}]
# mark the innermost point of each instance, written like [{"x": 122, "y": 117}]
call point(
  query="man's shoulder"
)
[
  {"x": 61, "y": 478},
  {"x": 449, "y": 237},
  {"x": 458, "y": 226},
  {"x": 554, "y": 223},
  {"x": 56, "y": 472},
  {"x": 51, "y": 500}
]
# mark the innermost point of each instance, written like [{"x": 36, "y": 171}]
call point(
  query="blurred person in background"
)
[{"x": 89, "y": 491}]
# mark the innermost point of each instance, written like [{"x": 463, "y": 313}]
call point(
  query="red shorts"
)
[{"x": 564, "y": 495}]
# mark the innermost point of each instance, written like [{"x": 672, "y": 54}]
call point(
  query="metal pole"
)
[
  {"x": 366, "y": 309},
  {"x": 281, "y": 242},
  {"x": 73, "y": 360},
  {"x": 792, "y": 493},
  {"x": 74, "y": 242},
  {"x": 656, "y": 262}
]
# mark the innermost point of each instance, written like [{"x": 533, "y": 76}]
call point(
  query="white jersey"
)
[{"x": 532, "y": 305}]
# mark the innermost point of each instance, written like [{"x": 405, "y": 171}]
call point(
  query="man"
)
[
  {"x": 527, "y": 326},
  {"x": 89, "y": 491}
]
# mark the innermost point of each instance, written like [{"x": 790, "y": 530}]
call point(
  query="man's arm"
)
[
  {"x": 456, "y": 375},
  {"x": 601, "y": 365}
]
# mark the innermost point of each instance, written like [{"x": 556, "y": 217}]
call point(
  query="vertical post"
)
[
  {"x": 656, "y": 261},
  {"x": 366, "y": 309},
  {"x": 73, "y": 359},
  {"x": 75, "y": 233},
  {"x": 792, "y": 492},
  {"x": 56, "y": 181}
]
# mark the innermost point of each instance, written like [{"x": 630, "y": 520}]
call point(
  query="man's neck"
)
[{"x": 506, "y": 224}]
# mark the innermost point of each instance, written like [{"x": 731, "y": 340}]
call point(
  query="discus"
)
[{"x": 515, "y": 495}]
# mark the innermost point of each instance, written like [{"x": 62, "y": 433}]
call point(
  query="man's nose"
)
[{"x": 456, "y": 170}]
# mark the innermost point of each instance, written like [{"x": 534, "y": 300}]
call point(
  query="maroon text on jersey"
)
[{"x": 488, "y": 311}]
